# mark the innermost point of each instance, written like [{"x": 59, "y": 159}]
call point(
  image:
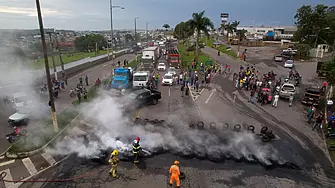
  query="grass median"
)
[
  {"x": 222, "y": 48},
  {"x": 187, "y": 57},
  {"x": 40, "y": 134},
  {"x": 67, "y": 58},
  {"x": 133, "y": 63}
]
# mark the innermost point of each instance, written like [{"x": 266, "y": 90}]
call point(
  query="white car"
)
[
  {"x": 161, "y": 67},
  {"x": 172, "y": 71},
  {"x": 168, "y": 79},
  {"x": 289, "y": 64},
  {"x": 20, "y": 117},
  {"x": 278, "y": 58}
]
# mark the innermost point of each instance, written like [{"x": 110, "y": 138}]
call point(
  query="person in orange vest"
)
[{"x": 175, "y": 173}]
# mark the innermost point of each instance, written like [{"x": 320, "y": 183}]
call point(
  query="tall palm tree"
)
[{"x": 199, "y": 23}]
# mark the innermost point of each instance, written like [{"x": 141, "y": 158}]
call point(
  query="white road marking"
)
[
  {"x": 29, "y": 165},
  {"x": 8, "y": 177},
  {"x": 77, "y": 130},
  {"x": 169, "y": 91},
  {"x": 202, "y": 90},
  {"x": 48, "y": 158},
  {"x": 7, "y": 162},
  {"x": 209, "y": 97}
]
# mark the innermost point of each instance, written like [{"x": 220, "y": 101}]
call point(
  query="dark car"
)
[
  {"x": 312, "y": 96},
  {"x": 142, "y": 97}
]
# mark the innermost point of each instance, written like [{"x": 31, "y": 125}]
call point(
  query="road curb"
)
[
  {"x": 323, "y": 133},
  {"x": 34, "y": 152}
]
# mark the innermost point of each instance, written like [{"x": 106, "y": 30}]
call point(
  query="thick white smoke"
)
[{"x": 114, "y": 130}]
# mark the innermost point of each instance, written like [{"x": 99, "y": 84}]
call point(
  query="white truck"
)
[
  {"x": 141, "y": 78},
  {"x": 151, "y": 52}
]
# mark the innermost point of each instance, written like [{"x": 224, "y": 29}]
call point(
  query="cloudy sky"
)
[{"x": 94, "y": 14}]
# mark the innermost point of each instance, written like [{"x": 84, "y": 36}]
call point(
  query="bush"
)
[{"x": 42, "y": 134}]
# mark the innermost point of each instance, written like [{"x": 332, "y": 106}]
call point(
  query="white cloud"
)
[{"x": 31, "y": 11}]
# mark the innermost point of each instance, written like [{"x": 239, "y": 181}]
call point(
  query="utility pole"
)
[
  {"x": 47, "y": 70},
  {"x": 60, "y": 56},
  {"x": 112, "y": 34},
  {"x": 52, "y": 56},
  {"x": 135, "y": 30},
  {"x": 238, "y": 44},
  {"x": 146, "y": 31}
]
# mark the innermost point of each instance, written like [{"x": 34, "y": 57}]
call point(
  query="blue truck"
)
[{"x": 122, "y": 78}]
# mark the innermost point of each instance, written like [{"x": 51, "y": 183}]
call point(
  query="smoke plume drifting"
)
[{"x": 114, "y": 130}]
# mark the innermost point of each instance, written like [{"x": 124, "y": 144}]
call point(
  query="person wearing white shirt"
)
[{"x": 275, "y": 101}]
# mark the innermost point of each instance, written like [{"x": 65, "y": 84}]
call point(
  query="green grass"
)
[
  {"x": 135, "y": 61},
  {"x": 39, "y": 136},
  {"x": 188, "y": 57},
  {"x": 67, "y": 58},
  {"x": 221, "y": 48}
]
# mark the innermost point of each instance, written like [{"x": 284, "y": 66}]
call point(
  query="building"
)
[{"x": 270, "y": 32}]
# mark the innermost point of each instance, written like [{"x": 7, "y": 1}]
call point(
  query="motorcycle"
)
[
  {"x": 72, "y": 92},
  {"x": 12, "y": 137},
  {"x": 43, "y": 89}
]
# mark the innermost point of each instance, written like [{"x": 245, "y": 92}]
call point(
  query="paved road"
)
[
  {"x": 295, "y": 143},
  {"x": 17, "y": 169}
]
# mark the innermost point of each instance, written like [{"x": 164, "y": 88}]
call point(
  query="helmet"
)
[
  {"x": 14, "y": 127},
  {"x": 137, "y": 138},
  {"x": 115, "y": 152},
  {"x": 176, "y": 162}
]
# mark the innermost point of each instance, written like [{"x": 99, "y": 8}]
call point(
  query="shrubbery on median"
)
[
  {"x": 221, "y": 48},
  {"x": 40, "y": 134}
]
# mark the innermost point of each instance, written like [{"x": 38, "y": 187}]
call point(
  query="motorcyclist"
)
[
  {"x": 136, "y": 148},
  {"x": 16, "y": 131}
]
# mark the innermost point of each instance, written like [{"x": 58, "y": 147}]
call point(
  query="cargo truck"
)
[{"x": 173, "y": 58}]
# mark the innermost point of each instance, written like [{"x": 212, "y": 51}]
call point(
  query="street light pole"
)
[
  {"x": 52, "y": 57},
  {"x": 135, "y": 29},
  {"x": 47, "y": 70},
  {"x": 146, "y": 31},
  {"x": 111, "y": 6}
]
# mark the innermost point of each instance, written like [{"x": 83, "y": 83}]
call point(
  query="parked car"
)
[
  {"x": 286, "y": 90},
  {"x": 312, "y": 96},
  {"x": 161, "y": 67},
  {"x": 21, "y": 117},
  {"x": 168, "y": 79},
  {"x": 278, "y": 58},
  {"x": 289, "y": 64}
]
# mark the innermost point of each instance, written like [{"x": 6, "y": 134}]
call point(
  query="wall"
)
[{"x": 80, "y": 68}]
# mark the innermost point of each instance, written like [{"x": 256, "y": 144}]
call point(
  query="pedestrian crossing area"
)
[{"x": 21, "y": 169}]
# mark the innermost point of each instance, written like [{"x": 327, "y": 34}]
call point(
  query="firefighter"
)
[
  {"x": 136, "y": 149},
  {"x": 114, "y": 161},
  {"x": 175, "y": 173}
]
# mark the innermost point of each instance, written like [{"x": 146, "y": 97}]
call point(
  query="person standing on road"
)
[
  {"x": 86, "y": 80},
  {"x": 235, "y": 93},
  {"x": 318, "y": 121},
  {"x": 114, "y": 161},
  {"x": 136, "y": 150},
  {"x": 81, "y": 80},
  {"x": 275, "y": 101},
  {"x": 175, "y": 173},
  {"x": 291, "y": 100},
  {"x": 118, "y": 63},
  {"x": 196, "y": 85},
  {"x": 182, "y": 88},
  {"x": 252, "y": 96},
  {"x": 79, "y": 96},
  {"x": 329, "y": 104},
  {"x": 310, "y": 114}
]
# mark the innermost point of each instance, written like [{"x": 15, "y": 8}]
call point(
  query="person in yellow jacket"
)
[
  {"x": 114, "y": 161},
  {"x": 175, "y": 173}
]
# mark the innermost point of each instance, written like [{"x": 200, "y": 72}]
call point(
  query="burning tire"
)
[
  {"x": 201, "y": 125},
  {"x": 251, "y": 128},
  {"x": 215, "y": 156},
  {"x": 212, "y": 126},
  {"x": 237, "y": 128}
]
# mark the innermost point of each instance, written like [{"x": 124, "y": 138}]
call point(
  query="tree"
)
[
  {"x": 89, "y": 42},
  {"x": 199, "y": 23},
  {"x": 241, "y": 34},
  {"x": 182, "y": 31},
  {"x": 315, "y": 25},
  {"x": 128, "y": 37},
  {"x": 230, "y": 27},
  {"x": 329, "y": 68},
  {"x": 166, "y": 27}
]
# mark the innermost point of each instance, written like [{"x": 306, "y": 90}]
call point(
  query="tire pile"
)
[{"x": 200, "y": 151}]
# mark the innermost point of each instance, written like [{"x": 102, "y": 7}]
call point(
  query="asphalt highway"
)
[{"x": 301, "y": 150}]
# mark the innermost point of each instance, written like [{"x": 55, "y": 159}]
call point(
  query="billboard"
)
[{"x": 224, "y": 18}]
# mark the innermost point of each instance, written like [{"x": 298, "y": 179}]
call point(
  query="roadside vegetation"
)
[
  {"x": 43, "y": 133},
  {"x": 187, "y": 56},
  {"x": 222, "y": 48},
  {"x": 133, "y": 63}
]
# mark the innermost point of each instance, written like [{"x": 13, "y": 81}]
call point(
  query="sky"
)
[{"x": 95, "y": 14}]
